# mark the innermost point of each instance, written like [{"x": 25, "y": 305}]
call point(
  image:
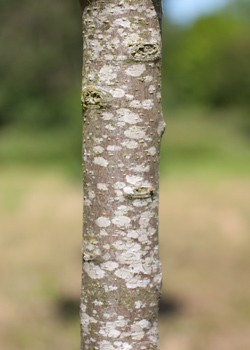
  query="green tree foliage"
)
[
  {"x": 40, "y": 63},
  {"x": 207, "y": 63}
]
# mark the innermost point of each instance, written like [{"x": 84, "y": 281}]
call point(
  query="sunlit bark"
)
[{"x": 122, "y": 129}]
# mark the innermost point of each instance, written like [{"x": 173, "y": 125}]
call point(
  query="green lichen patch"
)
[
  {"x": 127, "y": 298},
  {"x": 145, "y": 52},
  {"x": 95, "y": 291}
]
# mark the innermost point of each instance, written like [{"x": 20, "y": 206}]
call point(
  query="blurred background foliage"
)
[
  {"x": 205, "y": 73},
  {"x": 206, "y": 63},
  {"x": 205, "y": 178}
]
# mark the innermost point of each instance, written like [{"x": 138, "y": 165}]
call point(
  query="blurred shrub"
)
[{"x": 40, "y": 61}]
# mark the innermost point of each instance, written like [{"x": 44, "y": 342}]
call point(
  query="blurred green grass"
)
[
  {"x": 196, "y": 141},
  {"x": 207, "y": 143}
]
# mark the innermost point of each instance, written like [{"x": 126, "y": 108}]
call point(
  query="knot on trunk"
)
[
  {"x": 95, "y": 98},
  {"x": 145, "y": 52}
]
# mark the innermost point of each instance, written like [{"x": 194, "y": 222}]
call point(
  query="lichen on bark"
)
[{"x": 123, "y": 125}]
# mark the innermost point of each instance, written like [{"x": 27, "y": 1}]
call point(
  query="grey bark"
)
[{"x": 122, "y": 129}]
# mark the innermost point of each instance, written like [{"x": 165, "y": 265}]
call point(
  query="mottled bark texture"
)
[{"x": 122, "y": 129}]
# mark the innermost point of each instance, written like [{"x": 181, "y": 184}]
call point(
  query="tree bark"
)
[{"x": 122, "y": 129}]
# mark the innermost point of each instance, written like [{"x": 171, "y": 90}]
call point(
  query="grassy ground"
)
[{"x": 204, "y": 237}]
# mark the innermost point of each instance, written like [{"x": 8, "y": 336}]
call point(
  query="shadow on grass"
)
[
  {"x": 68, "y": 309},
  {"x": 169, "y": 306}
]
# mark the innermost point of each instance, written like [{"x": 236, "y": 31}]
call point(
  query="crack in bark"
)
[
  {"x": 141, "y": 193},
  {"x": 158, "y": 8}
]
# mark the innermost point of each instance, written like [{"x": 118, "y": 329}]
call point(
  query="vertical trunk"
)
[{"x": 122, "y": 128}]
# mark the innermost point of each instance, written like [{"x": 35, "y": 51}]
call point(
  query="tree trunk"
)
[{"x": 122, "y": 129}]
